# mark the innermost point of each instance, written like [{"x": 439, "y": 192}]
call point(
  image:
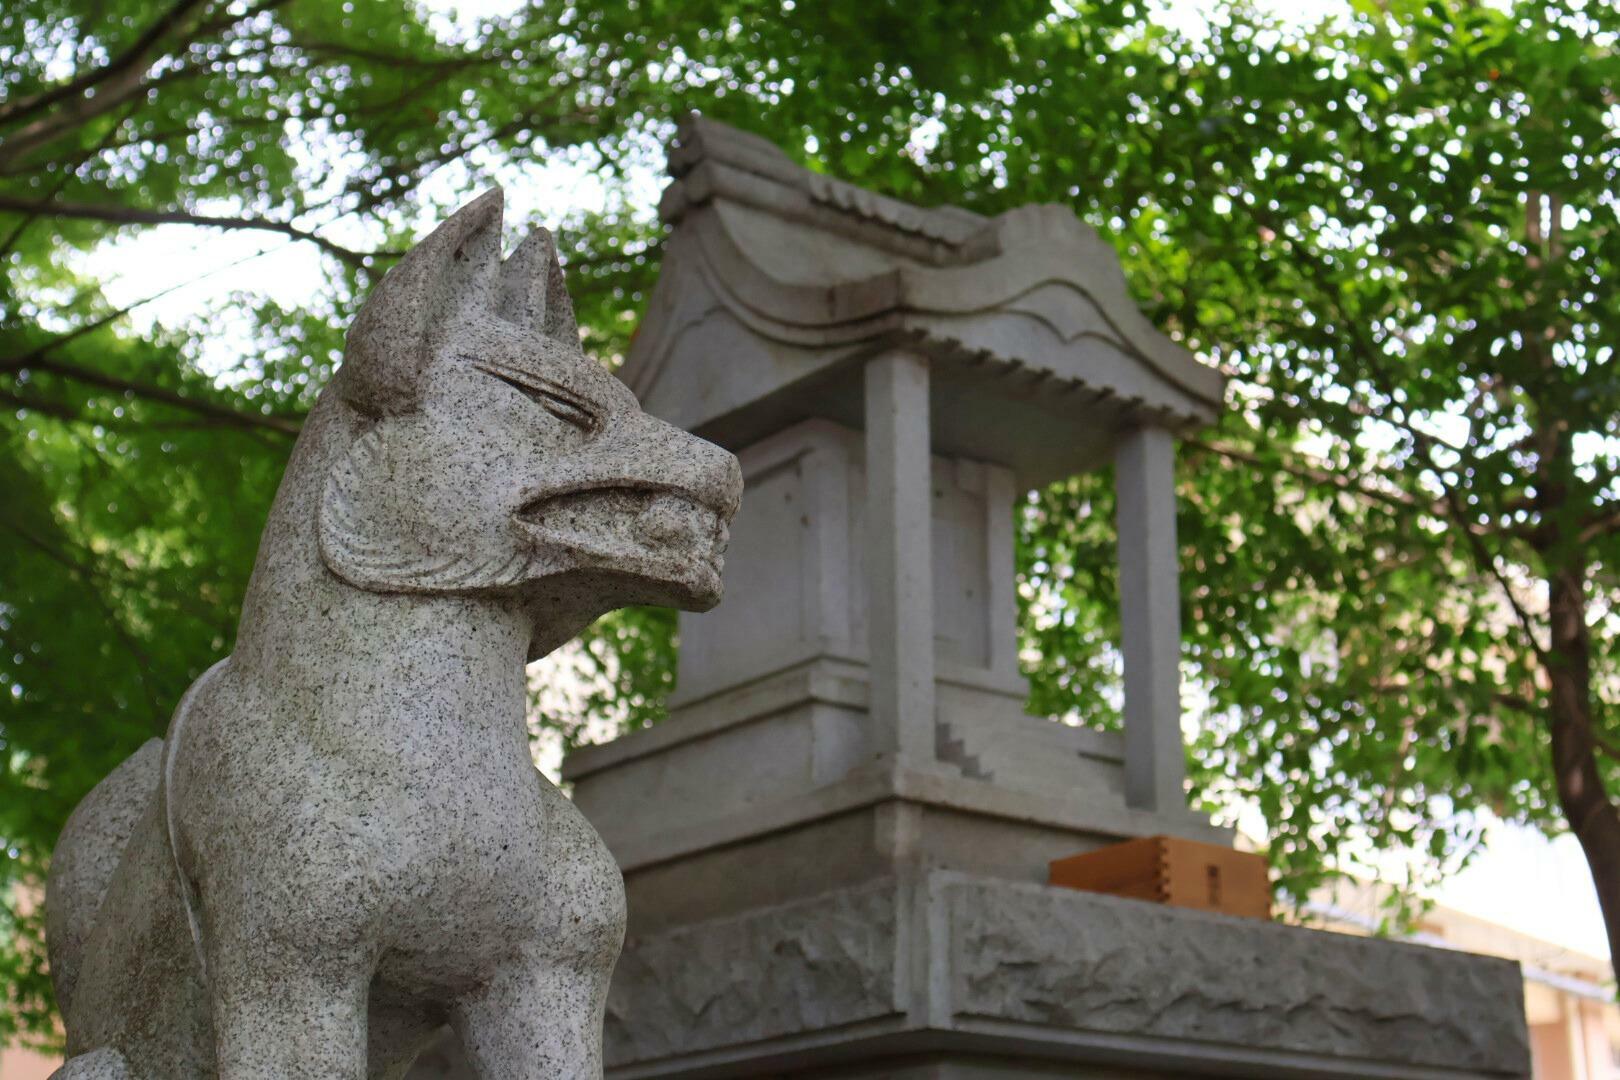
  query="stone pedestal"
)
[
  {"x": 947, "y": 975},
  {"x": 835, "y": 849}
]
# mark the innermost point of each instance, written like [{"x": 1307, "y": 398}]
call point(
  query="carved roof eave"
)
[{"x": 908, "y": 300}]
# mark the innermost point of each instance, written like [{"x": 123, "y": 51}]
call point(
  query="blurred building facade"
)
[{"x": 17, "y": 1063}]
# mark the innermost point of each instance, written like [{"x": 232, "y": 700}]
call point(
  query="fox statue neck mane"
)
[{"x": 291, "y": 578}]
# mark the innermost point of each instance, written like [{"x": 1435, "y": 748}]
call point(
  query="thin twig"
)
[
  {"x": 15, "y": 362},
  {"x": 285, "y": 425},
  {"x": 66, "y": 176},
  {"x": 130, "y": 215}
]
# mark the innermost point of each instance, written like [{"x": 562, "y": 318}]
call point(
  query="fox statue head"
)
[{"x": 493, "y": 456}]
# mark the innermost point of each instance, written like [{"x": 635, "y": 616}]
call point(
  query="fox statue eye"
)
[
  {"x": 563, "y": 409},
  {"x": 562, "y": 406}
]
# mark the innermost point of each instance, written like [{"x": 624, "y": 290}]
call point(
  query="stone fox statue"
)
[{"x": 342, "y": 843}]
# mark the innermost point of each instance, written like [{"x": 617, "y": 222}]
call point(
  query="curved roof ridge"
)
[
  {"x": 708, "y": 156},
  {"x": 779, "y": 279}
]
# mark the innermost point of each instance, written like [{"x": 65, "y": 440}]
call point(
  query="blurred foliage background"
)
[{"x": 1394, "y": 227}]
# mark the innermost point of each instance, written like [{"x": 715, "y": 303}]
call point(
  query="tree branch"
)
[
  {"x": 48, "y": 129},
  {"x": 1599, "y": 526},
  {"x": 88, "y": 575},
  {"x": 284, "y": 425},
  {"x": 39, "y": 405},
  {"x": 62, "y": 180},
  {"x": 1327, "y": 478},
  {"x": 125, "y": 80},
  {"x": 38, "y": 358},
  {"x": 39, "y": 351},
  {"x": 135, "y": 56},
  {"x": 395, "y": 60},
  {"x": 130, "y": 215},
  {"x": 1484, "y": 558}
]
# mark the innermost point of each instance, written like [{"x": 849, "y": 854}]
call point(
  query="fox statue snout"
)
[
  {"x": 342, "y": 844},
  {"x": 652, "y": 505},
  {"x": 501, "y": 455}
]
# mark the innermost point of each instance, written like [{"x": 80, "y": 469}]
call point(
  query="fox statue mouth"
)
[
  {"x": 663, "y": 542},
  {"x": 647, "y": 531}
]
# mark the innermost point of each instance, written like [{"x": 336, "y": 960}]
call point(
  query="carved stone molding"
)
[
  {"x": 809, "y": 966},
  {"x": 1061, "y": 958},
  {"x": 1072, "y": 979}
]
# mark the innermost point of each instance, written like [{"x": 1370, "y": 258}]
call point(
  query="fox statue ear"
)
[
  {"x": 391, "y": 340},
  {"x": 532, "y": 292}
]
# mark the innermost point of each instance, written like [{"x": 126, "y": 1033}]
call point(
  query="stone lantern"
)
[
  {"x": 836, "y": 846},
  {"x": 893, "y": 379}
]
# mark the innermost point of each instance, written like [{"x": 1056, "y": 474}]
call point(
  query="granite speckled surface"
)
[
  {"x": 343, "y": 843},
  {"x": 1067, "y": 959},
  {"x": 951, "y": 963},
  {"x": 817, "y": 964}
]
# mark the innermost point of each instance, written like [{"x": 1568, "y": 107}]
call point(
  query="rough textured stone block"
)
[
  {"x": 1054, "y": 981},
  {"x": 1068, "y": 960},
  {"x": 809, "y": 966}
]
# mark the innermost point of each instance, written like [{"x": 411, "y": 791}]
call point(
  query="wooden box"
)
[{"x": 1169, "y": 870}]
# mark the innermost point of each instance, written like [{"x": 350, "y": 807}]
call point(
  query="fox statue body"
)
[{"x": 342, "y": 843}]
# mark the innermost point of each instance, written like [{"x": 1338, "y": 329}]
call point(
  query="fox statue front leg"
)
[
  {"x": 541, "y": 1015},
  {"x": 343, "y": 844},
  {"x": 280, "y": 1015}
]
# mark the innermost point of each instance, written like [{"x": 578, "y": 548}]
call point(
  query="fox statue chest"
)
[{"x": 411, "y": 791}]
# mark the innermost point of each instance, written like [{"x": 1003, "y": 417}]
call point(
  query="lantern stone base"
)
[
  {"x": 948, "y": 976},
  {"x": 803, "y": 903},
  {"x": 773, "y": 791}
]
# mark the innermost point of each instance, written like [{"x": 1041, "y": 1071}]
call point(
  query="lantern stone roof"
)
[{"x": 1039, "y": 354}]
